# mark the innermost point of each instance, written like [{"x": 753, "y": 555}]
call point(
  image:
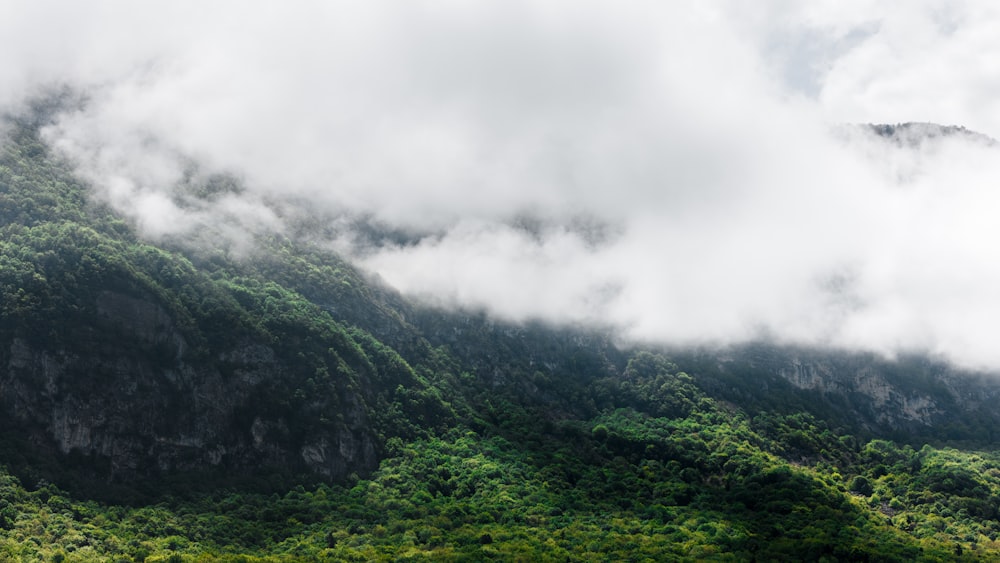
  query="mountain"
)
[
  {"x": 912, "y": 134},
  {"x": 172, "y": 401}
]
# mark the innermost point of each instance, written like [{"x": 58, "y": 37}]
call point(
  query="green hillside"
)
[{"x": 179, "y": 402}]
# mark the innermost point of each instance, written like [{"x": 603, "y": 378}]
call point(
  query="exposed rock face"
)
[
  {"x": 891, "y": 404},
  {"x": 133, "y": 395},
  {"x": 908, "y": 394}
]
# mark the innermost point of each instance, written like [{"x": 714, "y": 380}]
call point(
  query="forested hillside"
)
[{"x": 176, "y": 401}]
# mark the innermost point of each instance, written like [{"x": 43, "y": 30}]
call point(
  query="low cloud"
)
[{"x": 683, "y": 174}]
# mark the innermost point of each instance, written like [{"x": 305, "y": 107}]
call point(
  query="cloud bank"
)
[{"x": 679, "y": 172}]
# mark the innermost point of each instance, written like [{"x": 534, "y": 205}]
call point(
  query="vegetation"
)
[
  {"x": 625, "y": 485},
  {"x": 506, "y": 443}
]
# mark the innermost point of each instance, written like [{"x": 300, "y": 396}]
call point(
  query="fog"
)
[{"x": 686, "y": 174}]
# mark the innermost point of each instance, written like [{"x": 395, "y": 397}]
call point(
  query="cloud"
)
[
  {"x": 677, "y": 172},
  {"x": 932, "y": 62}
]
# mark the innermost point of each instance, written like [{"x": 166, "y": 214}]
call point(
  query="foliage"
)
[{"x": 497, "y": 442}]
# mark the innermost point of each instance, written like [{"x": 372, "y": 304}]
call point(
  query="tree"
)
[{"x": 861, "y": 485}]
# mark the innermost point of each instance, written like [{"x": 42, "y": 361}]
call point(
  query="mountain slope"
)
[
  {"x": 204, "y": 395},
  {"x": 130, "y": 354}
]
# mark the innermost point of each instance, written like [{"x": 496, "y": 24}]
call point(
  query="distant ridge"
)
[{"x": 913, "y": 133}]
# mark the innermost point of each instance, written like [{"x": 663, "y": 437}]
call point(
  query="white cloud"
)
[
  {"x": 935, "y": 61},
  {"x": 702, "y": 137}
]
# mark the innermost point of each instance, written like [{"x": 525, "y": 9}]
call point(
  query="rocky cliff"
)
[
  {"x": 909, "y": 397},
  {"x": 128, "y": 391}
]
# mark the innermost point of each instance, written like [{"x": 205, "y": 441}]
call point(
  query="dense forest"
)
[{"x": 281, "y": 406}]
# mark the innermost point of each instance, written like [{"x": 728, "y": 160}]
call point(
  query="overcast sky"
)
[{"x": 682, "y": 165}]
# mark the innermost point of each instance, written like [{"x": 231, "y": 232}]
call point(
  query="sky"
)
[{"x": 683, "y": 172}]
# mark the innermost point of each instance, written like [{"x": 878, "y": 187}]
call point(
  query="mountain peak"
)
[{"x": 913, "y": 133}]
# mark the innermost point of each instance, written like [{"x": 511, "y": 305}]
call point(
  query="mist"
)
[{"x": 684, "y": 174}]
